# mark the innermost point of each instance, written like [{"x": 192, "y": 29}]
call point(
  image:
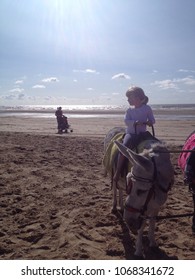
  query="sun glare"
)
[
  {"x": 75, "y": 24},
  {"x": 76, "y": 9}
]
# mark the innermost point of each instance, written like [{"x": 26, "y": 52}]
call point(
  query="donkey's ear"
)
[
  {"x": 141, "y": 160},
  {"x": 133, "y": 157},
  {"x": 123, "y": 149}
]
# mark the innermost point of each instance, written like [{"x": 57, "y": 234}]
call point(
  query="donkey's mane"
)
[{"x": 154, "y": 149}]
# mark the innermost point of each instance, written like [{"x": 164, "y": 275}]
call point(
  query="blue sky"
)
[{"x": 91, "y": 51}]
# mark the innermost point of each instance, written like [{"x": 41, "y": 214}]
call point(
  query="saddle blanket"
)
[{"x": 112, "y": 150}]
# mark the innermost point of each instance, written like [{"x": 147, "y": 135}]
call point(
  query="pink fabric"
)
[{"x": 189, "y": 145}]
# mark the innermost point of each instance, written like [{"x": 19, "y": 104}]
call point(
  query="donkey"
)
[{"x": 152, "y": 175}]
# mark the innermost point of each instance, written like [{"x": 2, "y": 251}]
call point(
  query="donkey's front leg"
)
[
  {"x": 151, "y": 231},
  {"x": 114, "y": 197},
  {"x": 121, "y": 200},
  {"x": 138, "y": 244}
]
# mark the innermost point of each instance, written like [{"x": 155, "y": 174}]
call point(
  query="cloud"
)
[
  {"x": 16, "y": 90},
  {"x": 19, "y": 96},
  {"x": 19, "y": 82},
  {"x": 115, "y": 93},
  {"x": 50, "y": 80},
  {"x": 187, "y": 81},
  {"x": 173, "y": 84},
  {"x": 121, "y": 76},
  {"x": 88, "y": 71},
  {"x": 9, "y": 97},
  {"x": 91, "y": 71},
  {"x": 38, "y": 86},
  {"x": 165, "y": 84},
  {"x": 90, "y": 89},
  {"x": 186, "y": 71},
  {"x": 49, "y": 98}
]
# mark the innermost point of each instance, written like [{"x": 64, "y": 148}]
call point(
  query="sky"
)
[{"x": 92, "y": 51}]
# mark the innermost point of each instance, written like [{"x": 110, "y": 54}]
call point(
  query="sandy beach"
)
[{"x": 56, "y": 204}]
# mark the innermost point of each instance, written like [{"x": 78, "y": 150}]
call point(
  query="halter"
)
[
  {"x": 141, "y": 179},
  {"x": 151, "y": 191}
]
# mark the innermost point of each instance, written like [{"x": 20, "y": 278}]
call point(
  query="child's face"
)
[{"x": 134, "y": 101}]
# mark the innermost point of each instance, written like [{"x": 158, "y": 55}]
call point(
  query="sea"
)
[{"x": 161, "y": 111}]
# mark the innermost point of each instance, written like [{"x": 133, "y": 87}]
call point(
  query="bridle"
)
[{"x": 151, "y": 192}]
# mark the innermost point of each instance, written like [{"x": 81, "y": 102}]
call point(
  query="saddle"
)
[{"x": 137, "y": 143}]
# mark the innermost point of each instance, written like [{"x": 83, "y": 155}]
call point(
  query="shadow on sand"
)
[{"x": 128, "y": 241}]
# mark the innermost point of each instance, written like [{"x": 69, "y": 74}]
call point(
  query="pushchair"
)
[{"x": 63, "y": 125}]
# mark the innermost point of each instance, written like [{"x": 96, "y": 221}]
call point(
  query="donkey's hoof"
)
[
  {"x": 136, "y": 257},
  {"x": 121, "y": 211},
  {"x": 114, "y": 210}
]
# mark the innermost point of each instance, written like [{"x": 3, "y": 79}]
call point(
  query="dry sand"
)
[{"x": 56, "y": 204}]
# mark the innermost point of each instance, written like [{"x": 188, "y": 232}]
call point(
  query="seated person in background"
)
[{"x": 59, "y": 114}]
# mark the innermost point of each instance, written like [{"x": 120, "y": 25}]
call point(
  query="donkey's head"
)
[{"x": 144, "y": 184}]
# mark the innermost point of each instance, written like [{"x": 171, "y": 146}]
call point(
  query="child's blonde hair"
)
[{"x": 137, "y": 92}]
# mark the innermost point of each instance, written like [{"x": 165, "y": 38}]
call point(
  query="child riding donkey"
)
[{"x": 136, "y": 120}]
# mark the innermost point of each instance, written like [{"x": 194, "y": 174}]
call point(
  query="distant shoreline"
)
[
  {"x": 168, "y": 128},
  {"x": 96, "y": 112}
]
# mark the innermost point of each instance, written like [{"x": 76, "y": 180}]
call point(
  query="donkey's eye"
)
[{"x": 140, "y": 192}]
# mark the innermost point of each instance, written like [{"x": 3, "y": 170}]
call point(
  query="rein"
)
[
  {"x": 174, "y": 151},
  {"x": 158, "y": 218}
]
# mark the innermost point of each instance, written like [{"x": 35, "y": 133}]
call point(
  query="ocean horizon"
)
[{"x": 161, "y": 111}]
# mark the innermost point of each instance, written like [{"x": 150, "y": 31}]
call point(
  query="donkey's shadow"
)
[{"x": 128, "y": 241}]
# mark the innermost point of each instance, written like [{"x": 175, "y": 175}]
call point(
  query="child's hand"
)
[
  {"x": 149, "y": 123},
  {"x": 138, "y": 123}
]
